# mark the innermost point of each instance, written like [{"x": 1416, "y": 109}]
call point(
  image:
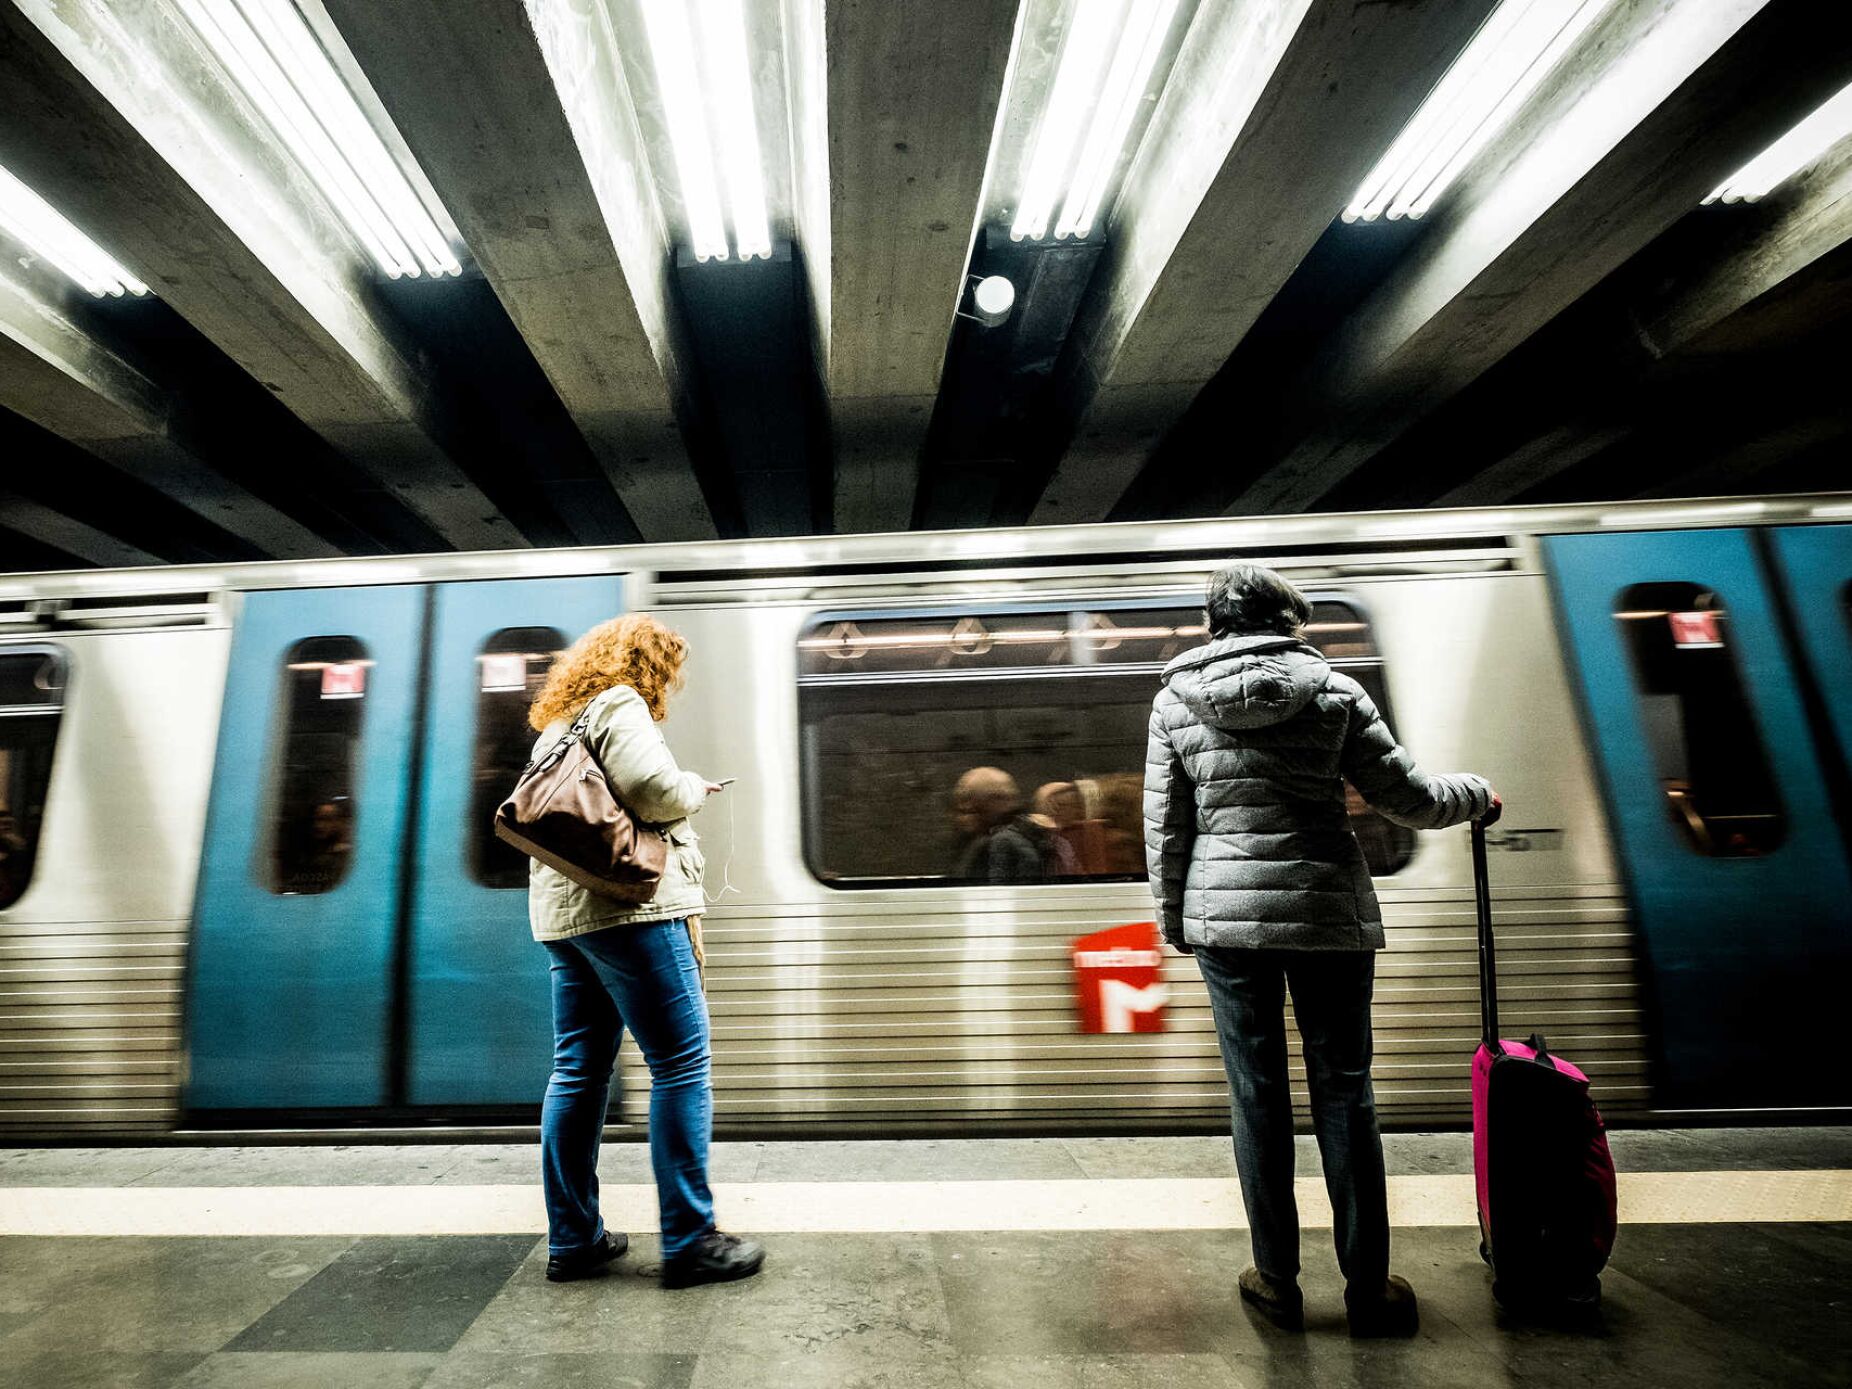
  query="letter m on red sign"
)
[{"x": 1118, "y": 978}]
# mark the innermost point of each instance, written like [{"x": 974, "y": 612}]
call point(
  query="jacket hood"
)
[{"x": 1249, "y": 681}]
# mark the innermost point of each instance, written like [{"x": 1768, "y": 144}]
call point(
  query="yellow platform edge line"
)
[{"x": 1671, "y": 1198}]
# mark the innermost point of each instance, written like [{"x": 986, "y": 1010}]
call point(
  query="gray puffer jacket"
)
[{"x": 1247, "y": 838}]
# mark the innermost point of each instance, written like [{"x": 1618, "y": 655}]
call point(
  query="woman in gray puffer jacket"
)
[{"x": 1257, "y": 873}]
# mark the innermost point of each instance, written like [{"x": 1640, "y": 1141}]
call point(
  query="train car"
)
[{"x": 247, "y": 879}]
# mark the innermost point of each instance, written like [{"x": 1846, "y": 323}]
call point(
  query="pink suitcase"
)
[{"x": 1544, "y": 1174}]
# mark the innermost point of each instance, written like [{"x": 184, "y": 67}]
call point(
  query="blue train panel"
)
[
  {"x": 1816, "y": 563},
  {"x": 293, "y": 939},
  {"x": 479, "y": 1008},
  {"x": 1714, "y": 786}
]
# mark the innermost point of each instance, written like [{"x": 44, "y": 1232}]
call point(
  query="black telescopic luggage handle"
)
[{"x": 1488, "y": 966}]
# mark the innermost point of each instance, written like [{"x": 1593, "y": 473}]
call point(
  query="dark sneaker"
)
[
  {"x": 1280, "y": 1303},
  {"x": 587, "y": 1263},
  {"x": 1392, "y": 1312},
  {"x": 714, "y": 1258}
]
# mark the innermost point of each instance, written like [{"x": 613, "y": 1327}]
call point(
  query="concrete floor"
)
[{"x": 1739, "y": 1304}]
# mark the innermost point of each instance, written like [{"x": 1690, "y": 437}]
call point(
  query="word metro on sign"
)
[{"x": 1119, "y": 979}]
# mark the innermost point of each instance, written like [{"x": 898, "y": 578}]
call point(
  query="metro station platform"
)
[{"x": 1013, "y": 1263}]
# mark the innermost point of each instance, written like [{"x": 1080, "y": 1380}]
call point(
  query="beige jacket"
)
[{"x": 636, "y": 761}]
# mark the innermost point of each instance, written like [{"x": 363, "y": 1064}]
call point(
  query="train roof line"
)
[{"x": 1358, "y": 534}]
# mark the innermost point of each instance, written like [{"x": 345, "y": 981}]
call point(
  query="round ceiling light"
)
[{"x": 993, "y": 299}]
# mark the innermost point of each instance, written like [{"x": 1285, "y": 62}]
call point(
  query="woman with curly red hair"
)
[{"x": 616, "y": 966}]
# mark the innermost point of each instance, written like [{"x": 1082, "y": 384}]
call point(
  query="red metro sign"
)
[{"x": 1119, "y": 979}]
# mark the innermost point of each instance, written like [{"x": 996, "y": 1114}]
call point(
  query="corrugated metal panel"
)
[
  {"x": 90, "y": 1026},
  {"x": 970, "y": 1019}
]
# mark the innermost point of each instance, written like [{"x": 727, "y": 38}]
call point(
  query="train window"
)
[
  {"x": 1006, "y": 746},
  {"x": 510, "y": 669},
  {"x": 31, "y": 706},
  {"x": 323, "y": 705},
  {"x": 1706, "y": 748}
]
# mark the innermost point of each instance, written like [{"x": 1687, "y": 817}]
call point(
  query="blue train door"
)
[
  {"x": 360, "y": 939},
  {"x": 1816, "y": 567},
  {"x": 292, "y": 961},
  {"x": 1715, "y": 785},
  {"x": 478, "y": 1008}
]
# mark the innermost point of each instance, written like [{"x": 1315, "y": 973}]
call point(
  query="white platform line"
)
[{"x": 864, "y": 1207}]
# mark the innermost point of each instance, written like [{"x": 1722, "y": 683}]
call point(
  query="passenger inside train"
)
[{"x": 1001, "y": 842}]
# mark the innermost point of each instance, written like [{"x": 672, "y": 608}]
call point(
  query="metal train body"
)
[{"x": 150, "y": 978}]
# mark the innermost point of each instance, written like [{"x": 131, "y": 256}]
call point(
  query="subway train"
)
[{"x": 247, "y": 878}]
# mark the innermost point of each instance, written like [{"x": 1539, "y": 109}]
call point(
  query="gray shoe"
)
[
  {"x": 714, "y": 1258},
  {"x": 1280, "y": 1303}
]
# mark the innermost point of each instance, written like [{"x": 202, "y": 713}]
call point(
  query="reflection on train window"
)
[
  {"x": 510, "y": 669},
  {"x": 325, "y": 683},
  {"x": 31, "y": 704},
  {"x": 1706, "y": 748},
  {"x": 1007, "y": 746}
]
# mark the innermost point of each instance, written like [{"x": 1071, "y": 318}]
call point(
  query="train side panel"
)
[{"x": 94, "y": 952}]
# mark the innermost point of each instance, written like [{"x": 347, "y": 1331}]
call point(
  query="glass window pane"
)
[
  {"x": 31, "y": 707},
  {"x": 325, "y": 682},
  {"x": 1706, "y": 748},
  {"x": 510, "y": 669},
  {"x": 1006, "y": 746}
]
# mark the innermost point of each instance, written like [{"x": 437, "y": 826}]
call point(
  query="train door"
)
[
  {"x": 360, "y": 941},
  {"x": 294, "y": 930},
  {"x": 478, "y": 1007},
  {"x": 1715, "y": 784},
  {"x": 1816, "y": 567}
]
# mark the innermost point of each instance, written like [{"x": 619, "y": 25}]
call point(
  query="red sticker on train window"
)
[
  {"x": 1695, "y": 629},
  {"x": 1119, "y": 979},
  {"x": 344, "y": 680}
]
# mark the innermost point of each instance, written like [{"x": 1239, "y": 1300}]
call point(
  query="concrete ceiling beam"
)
[
  {"x": 1750, "y": 267},
  {"x": 78, "y": 539},
  {"x": 118, "y": 117},
  {"x": 566, "y": 231},
  {"x": 62, "y": 378},
  {"x": 1274, "y": 114},
  {"x": 1738, "y": 468},
  {"x": 912, "y": 93},
  {"x": 1665, "y": 101}
]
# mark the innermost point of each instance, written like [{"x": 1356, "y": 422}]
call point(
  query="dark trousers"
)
[{"x": 1331, "y": 1002}]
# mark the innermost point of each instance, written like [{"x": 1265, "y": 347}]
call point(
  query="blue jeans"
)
[
  {"x": 1331, "y": 1001},
  {"x": 643, "y": 978}
]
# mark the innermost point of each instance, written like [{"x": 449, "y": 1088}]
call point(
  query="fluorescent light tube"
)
[
  {"x": 1137, "y": 53},
  {"x": 29, "y": 219},
  {"x": 276, "y": 61},
  {"x": 1793, "y": 152},
  {"x": 1520, "y": 44},
  {"x": 735, "y": 131},
  {"x": 677, "y": 79},
  {"x": 1092, "y": 26}
]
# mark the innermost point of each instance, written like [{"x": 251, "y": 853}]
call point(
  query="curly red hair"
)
[{"x": 634, "y": 650}]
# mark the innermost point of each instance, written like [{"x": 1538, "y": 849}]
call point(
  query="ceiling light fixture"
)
[
  {"x": 1107, "y": 57},
  {"x": 35, "y": 223},
  {"x": 1793, "y": 152},
  {"x": 1519, "y": 44},
  {"x": 707, "y": 99},
  {"x": 993, "y": 298},
  {"x": 277, "y": 62}
]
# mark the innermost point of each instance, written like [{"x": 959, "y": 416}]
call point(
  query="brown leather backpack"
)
[{"x": 563, "y": 812}]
